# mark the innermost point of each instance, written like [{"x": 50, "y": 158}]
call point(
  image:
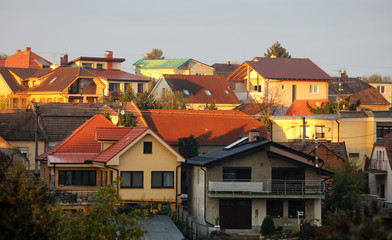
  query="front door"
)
[{"x": 235, "y": 214}]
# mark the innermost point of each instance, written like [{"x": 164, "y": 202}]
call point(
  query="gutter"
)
[
  {"x": 205, "y": 196},
  {"x": 179, "y": 166}
]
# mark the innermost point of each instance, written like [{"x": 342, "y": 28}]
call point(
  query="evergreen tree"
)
[
  {"x": 188, "y": 147},
  {"x": 127, "y": 120},
  {"x": 278, "y": 51}
]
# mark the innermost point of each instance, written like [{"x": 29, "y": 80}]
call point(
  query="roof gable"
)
[
  {"x": 10, "y": 80},
  {"x": 198, "y": 85}
]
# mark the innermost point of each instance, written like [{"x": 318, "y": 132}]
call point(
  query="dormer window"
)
[
  {"x": 87, "y": 65},
  {"x": 185, "y": 92},
  {"x": 207, "y": 92},
  {"x": 99, "y": 66}
]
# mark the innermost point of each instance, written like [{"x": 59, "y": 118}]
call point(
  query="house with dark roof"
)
[
  {"x": 199, "y": 90},
  {"x": 224, "y": 69},
  {"x": 98, "y": 153},
  {"x": 153, "y": 69},
  {"x": 279, "y": 80},
  {"x": 26, "y": 59},
  {"x": 237, "y": 186},
  {"x": 108, "y": 69},
  {"x": 370, "y": 97},
  {"x": 213, "y": 129}
]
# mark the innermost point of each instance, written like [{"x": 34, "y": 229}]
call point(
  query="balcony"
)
[
  {"x": 72, "y": 197},
  {"x": 378, "y": 165},
  {"x": 266, "y": 187}
]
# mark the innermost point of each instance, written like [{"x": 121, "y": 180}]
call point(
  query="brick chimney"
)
[
  {"x": 64, "y": 60},
  {"x": 253, "y": 135},
  {"x": 27, "y": 50},
  {"x": 109, "y": 54},
  {"x": 109, "y": 64},
  {"x": 18, "y": 51}
]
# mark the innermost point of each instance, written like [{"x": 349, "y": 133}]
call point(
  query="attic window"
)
[
  {"x": 208, "y": 92},
  {"x": 54, "y": 79},
  {"x": 227, "y": 92},
  {"x": 186, "y": 92}
]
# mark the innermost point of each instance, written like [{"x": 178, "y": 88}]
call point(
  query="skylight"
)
[
  {"x": 208, "y": 92},
  {"x": 186, "y": 92},
  {"x": 227, "y": 92},
  {"x": 54, "y": 79}
]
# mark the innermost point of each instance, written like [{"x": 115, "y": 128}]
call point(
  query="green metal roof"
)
[{"x": 161, "y": 63}]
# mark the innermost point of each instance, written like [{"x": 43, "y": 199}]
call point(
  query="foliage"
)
[
  {"x": 278, "y": 51},
  {"x": 26, "y": 211},
  {"x": 308, "y": 230},
  {"x": 147, "y": 101},
  {"x": 212, "y": 105},
  {"x": 155, "y": 53},
  {"x": 332, "y": 107},
  {"x": 188, "y": 147},
  {"x": 103, "y": 220},
  {"x": 376, "y": 78},
  {"x": 268, "y": 226},
  {"x": 4, "y": 102},
  {"x": 107, "y": 115},
  {"x": 172, "y": 100},
  {"x": 264, "y": 119},
  {"x": 344, "y": 189},
  {"x": 3, "y": 56},
  {"x": 128, "y": 96},
  {"x": 127, "y": 120}
]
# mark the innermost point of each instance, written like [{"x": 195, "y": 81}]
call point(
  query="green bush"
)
[{"x": 268, "y": 226}]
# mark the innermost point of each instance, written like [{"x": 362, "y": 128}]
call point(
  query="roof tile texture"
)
[{"x": 299, "y": 107}]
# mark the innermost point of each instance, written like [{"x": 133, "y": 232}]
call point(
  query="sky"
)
[{"x": 351, "y": 35}]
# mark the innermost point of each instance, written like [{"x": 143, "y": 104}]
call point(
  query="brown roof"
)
[
  {"x": 17, "y": 124},
  {"x": 118, "y": 75},
  {"x": 282, "y": 69},
  {"x": 97, "y": 59},
  {"x": 209, "y": 127},
  {"x": 30, "y": 72},
  {"x": 11, "y": 81},
  {"x": 252, "y": 109},
  {"x": 333, "y": 154},
  {"x": 60, "y": 78},
  {"x": 197, "y": 85},
  {"x": 224, "y": 69}
]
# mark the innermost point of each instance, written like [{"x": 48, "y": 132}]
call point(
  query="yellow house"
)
[
  {"x": 153, "y": 69},
  {"x": 279, "y": 81},
  {"x": 358, "y": 129},
  {"x": 98, "y": 153},
  {"x": 385, "y": 88}
]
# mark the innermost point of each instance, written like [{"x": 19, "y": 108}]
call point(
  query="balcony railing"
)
[
  {"x": 267, "y": 186},
  {"x": 72, "y": 197},
  {"x": 378, "y": 165}
]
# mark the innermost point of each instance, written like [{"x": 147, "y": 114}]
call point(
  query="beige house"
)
[
  {"x": 237, "y": 186},
  {"x": 279, "y": 81},
  {"x": 153, "y": 69},
  {"x": 385, "y": 88}
]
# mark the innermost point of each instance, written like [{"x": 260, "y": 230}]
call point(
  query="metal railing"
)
[
  {"x": 267, "y": 186},
  {"x": 378, "y": 165},
  {"x": 72, "y": 197}
]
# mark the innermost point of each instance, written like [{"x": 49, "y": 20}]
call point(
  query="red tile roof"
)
[
  {"x": 118, "y": 75},
  {"x": 111, "y": 133},
  {"x": 113, "y": 150},
  {"x": 25, "y": 59},
  {"x": 198, "y": 84},
  {"x": 282, "y": 69},
  {"x": 209, "y": 127},
  {"x": 299, "y": 107}
]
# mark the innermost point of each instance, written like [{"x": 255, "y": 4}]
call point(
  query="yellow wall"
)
[
  {"x": 30, "y": 145},
  {"x": 161, "y": 159}
]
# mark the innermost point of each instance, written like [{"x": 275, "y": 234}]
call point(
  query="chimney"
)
[
  {"x": 27, "y": 50},
  {"x": 18, "y": 51},
  {"x": 254, "y": 135},
  {"x": 64, "y": 60},
  {"x": 227, "y": 62},
  {"x": 109, "y": 54}
]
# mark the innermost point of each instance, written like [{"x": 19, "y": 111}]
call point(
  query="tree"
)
[
  {"x": 127, "y": 120},
  {"x": 188, "y": 147},
  {"x": 4, "y": 102},
  {"x": 278, "y": 51},
  {"x": 147, "y": 101},
  {"x": 156, "y": 53},
  {"x": 332, "y": 107},
  {"x": 3, "y": 56},
  {"x": 344, "y": 189},
  {"x": 128, "y": 96},
  {"x": 107, "y": 115},
  {"x": 212, "y": 105},
  {"x": 268, "y": 226},
  {"x": 172, "y": 100}
]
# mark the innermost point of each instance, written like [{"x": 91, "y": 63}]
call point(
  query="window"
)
[
  {"x": 383, "y": 130},
  {"x": 147, "y": 147},
  {"x": 381, "y": 89},
  {"x": 140, "y": 88},
  {"x": 126, "y": 86},
  {"x": 257, "y": 88},
  {"x": 162, "y": 179},
  {"x": 295, "y": 206},
  {"x": 99, "y": 65},
  {"x": 313, "y": 89},
  {"x": 275, "y": 208},
  {"x": 302, "y": 130},
  {"x": 77, "y": 178},
  {"x": 87, "y": 65},
  {"x": 283, "y": 87},
  {"x": 207, "y": 92},
  {"x": 24, "y": 151},
  {"x": 237, "y": 173},
  {"x": 132, "y": 179},
  {"x": 185, "y": 92},
  {"x": 114, "y": 87},
  {"x": 320, "y": 131},
  {"x": 288, "y": 173}
]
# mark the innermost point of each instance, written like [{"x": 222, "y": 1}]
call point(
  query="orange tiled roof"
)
[
  {"x": 299, "y": 107},
  {"x": 209, "y": 127},
  {"x": 26, "y": 59},
  {"x": 198, "y": 84},
  {"x": 110, "y": 133}
]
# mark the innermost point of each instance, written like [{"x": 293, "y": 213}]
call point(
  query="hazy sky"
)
[{"x": 355, "y": 35}]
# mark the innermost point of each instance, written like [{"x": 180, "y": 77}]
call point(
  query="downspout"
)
[
  {"x": 337, "y": 121},
  {"x": 205, "y": 196},
  {"x": 179, "y": 166},
  {"x": 118, "y": 177}
]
